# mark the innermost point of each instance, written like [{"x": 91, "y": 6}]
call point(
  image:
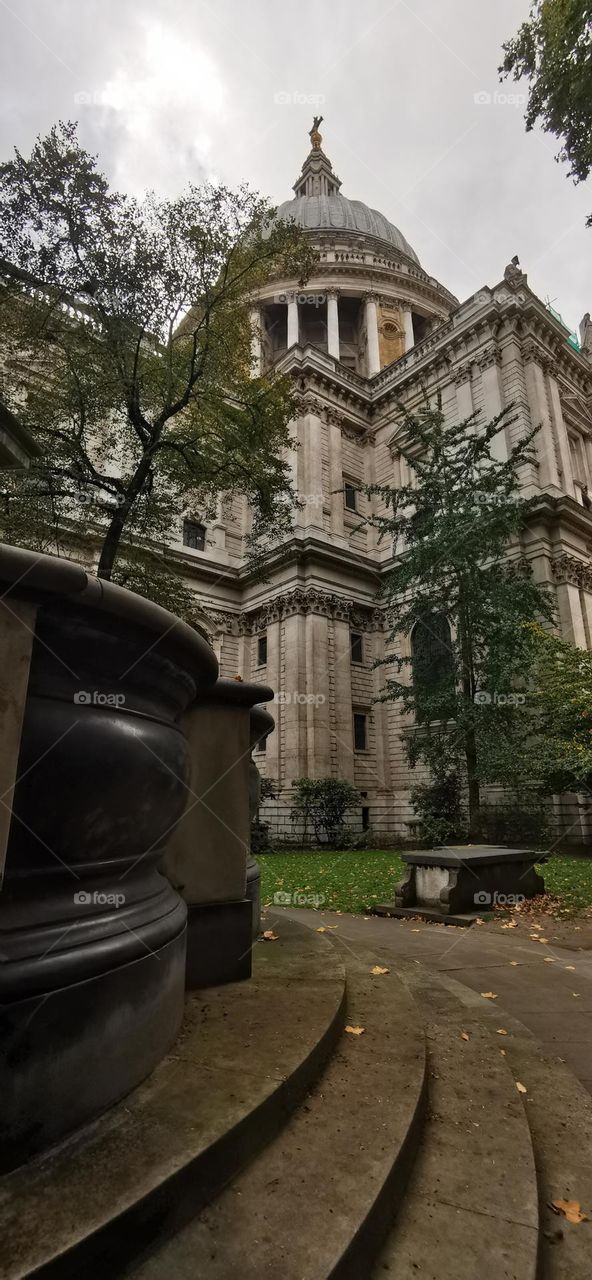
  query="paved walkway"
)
[{"x": 545, "y": 985}]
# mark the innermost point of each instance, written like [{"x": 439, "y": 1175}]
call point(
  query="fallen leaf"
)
[
  {"x": 521, "y": 1087},
  {"x": 514, "y": 962},
  {"x": 321, "y": 929},
  {"x": 355, "y": 1031},
  {"x": 570, "y": 1209},
  {"x": 576, "y": 995},
  {"x": 489, "y": 995},
  {"x": 270, "y": 936},
  {"x": 571, "y": 968},
  {"x": 549, "y": 959},
  {"x": 464, "y": 1035},
  {"x": 511, "y": 924},
  {"x": 416, "y": 930},
  {"x": 479, "y": 920},
  {"x": 503, "y": 1052},
  {"x": 379, "y": 968},
  {"x": 501, "y": 1031}
]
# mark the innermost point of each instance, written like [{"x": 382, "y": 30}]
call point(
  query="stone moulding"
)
[
  {"x": 568, "y": 569},
  {"x": 301, "y": 601}
]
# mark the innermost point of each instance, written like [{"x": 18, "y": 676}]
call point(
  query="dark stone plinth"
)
[
  {"x": 219, "y": 943},
  {"x": 70, "y": 1054},
  {"x": 465, "y": 880},
  {"x": 92, "y": 936},
  {"x": 254, "y": 892}
]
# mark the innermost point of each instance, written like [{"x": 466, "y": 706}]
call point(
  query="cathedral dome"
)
[
  {"x": 337, "y": 213},
  {"x": 319, "y": 206}
]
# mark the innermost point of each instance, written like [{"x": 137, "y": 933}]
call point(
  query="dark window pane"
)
[
  {"x": 433, "y": 667},
  {"x": 359, "y": 731},
  {"x": 261, "y": 651},
  {"x": 357, "y": 646},
  {"x": 194, "y": 535},
  {"x": 365, "y": 817},
  {"x": 349, "y": 491}
]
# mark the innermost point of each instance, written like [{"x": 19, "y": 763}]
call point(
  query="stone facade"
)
[{"x": 370, "y": 331}]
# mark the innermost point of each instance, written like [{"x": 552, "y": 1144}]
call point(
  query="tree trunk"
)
[
  {"x": 470, "y": 741},
  {"x": 114, "y": 533},
  {"x": 109, "y": 549},
  {"x": 473, "y": 786}
]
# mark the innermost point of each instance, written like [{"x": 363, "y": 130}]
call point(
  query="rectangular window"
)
[
  {"x": 349, "y": 495},
  {"x": 365, "y": 817},
  {"x": 356, "y": 642},
  {"x": 262, "y": 650},
  {"x": 262, "y": 745},
  {"x": 360, "y": 731},
  {"x": 194, "y": 535}
]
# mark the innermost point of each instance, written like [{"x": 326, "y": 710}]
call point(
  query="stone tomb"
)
[{"x": 456, "y": 883}]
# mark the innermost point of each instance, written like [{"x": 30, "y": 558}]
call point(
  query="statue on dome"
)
[
  {"x": 513, "y": 274},
  {"x": 586, "y": 336},
  {"x": 314, "y": 135}
]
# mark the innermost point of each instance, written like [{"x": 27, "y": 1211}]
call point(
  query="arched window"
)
[
  {"x": 194, "y": 535},
  {"x": 433, "y": 668}
]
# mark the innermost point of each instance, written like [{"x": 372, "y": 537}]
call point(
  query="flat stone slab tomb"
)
[{"x": 454, "y": 884}]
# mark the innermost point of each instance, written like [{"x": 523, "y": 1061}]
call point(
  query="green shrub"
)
[{"x": 321, "y": 804}]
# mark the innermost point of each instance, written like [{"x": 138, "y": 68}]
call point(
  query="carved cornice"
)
[
  {"x": 569, "y": 569},
  {"x": 305, "y": 600}
]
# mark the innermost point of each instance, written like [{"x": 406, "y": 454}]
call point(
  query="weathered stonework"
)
[{"x": 386, "y": 334}]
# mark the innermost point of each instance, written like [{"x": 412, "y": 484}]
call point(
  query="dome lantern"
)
[{"x": 317, "y": 177}]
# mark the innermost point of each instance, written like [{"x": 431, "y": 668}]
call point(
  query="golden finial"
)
[{"x": 314, "y": 135}]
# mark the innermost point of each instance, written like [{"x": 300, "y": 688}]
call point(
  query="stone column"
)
[
  {"x": 380, "y": 711},
  {"x": 569, "y": 607},
  {"x": 292, "y": 321},
  {"x": 493, "y": 402},
  {"x": 464, "y": 393},
  {"x": 273, "y": 675},
  {"x": 561, "y": 436},
  {"x": 312, "y": 489},
  {"x": 336, "y": 481},
  {"x": 333, "y": 324},
  {"x": 256, "y": 346},
  {"x": 372, "y": 349},
  {"x": 409, "y": 334},
  {"x": 294, "y": 711},
  {"x": 539, "y": 411},
  {"x": 344, "y": 731},
  {"x": 318, "y": 738}
]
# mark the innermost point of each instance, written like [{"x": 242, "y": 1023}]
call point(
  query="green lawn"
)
[{"x": 345, "y": 881}]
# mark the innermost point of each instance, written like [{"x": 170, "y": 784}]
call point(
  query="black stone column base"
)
[
  {"x": 219, "y": 943},
  {"x": 70, "y": 1053}
]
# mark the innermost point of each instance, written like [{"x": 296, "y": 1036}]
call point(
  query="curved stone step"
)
[
  {"x": 559, "y": 1112},
  {"x": 246, "y": 1055},
  {"x": 471, "y": 1206},
  {"x": 316, "y": 1203}
]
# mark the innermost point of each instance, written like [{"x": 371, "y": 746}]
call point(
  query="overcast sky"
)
[{"x": 189, "y": 89}]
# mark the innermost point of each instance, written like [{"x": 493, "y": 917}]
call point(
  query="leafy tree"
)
[
  {"x": 559, "y": 749},
  {"x": 553, "y": 50},
  {"x": 439, "y": 804},
  {"x": 455, "y": 593},
  {"x": 323, "y": 803},
  {"x": 125, "y": 340}
]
